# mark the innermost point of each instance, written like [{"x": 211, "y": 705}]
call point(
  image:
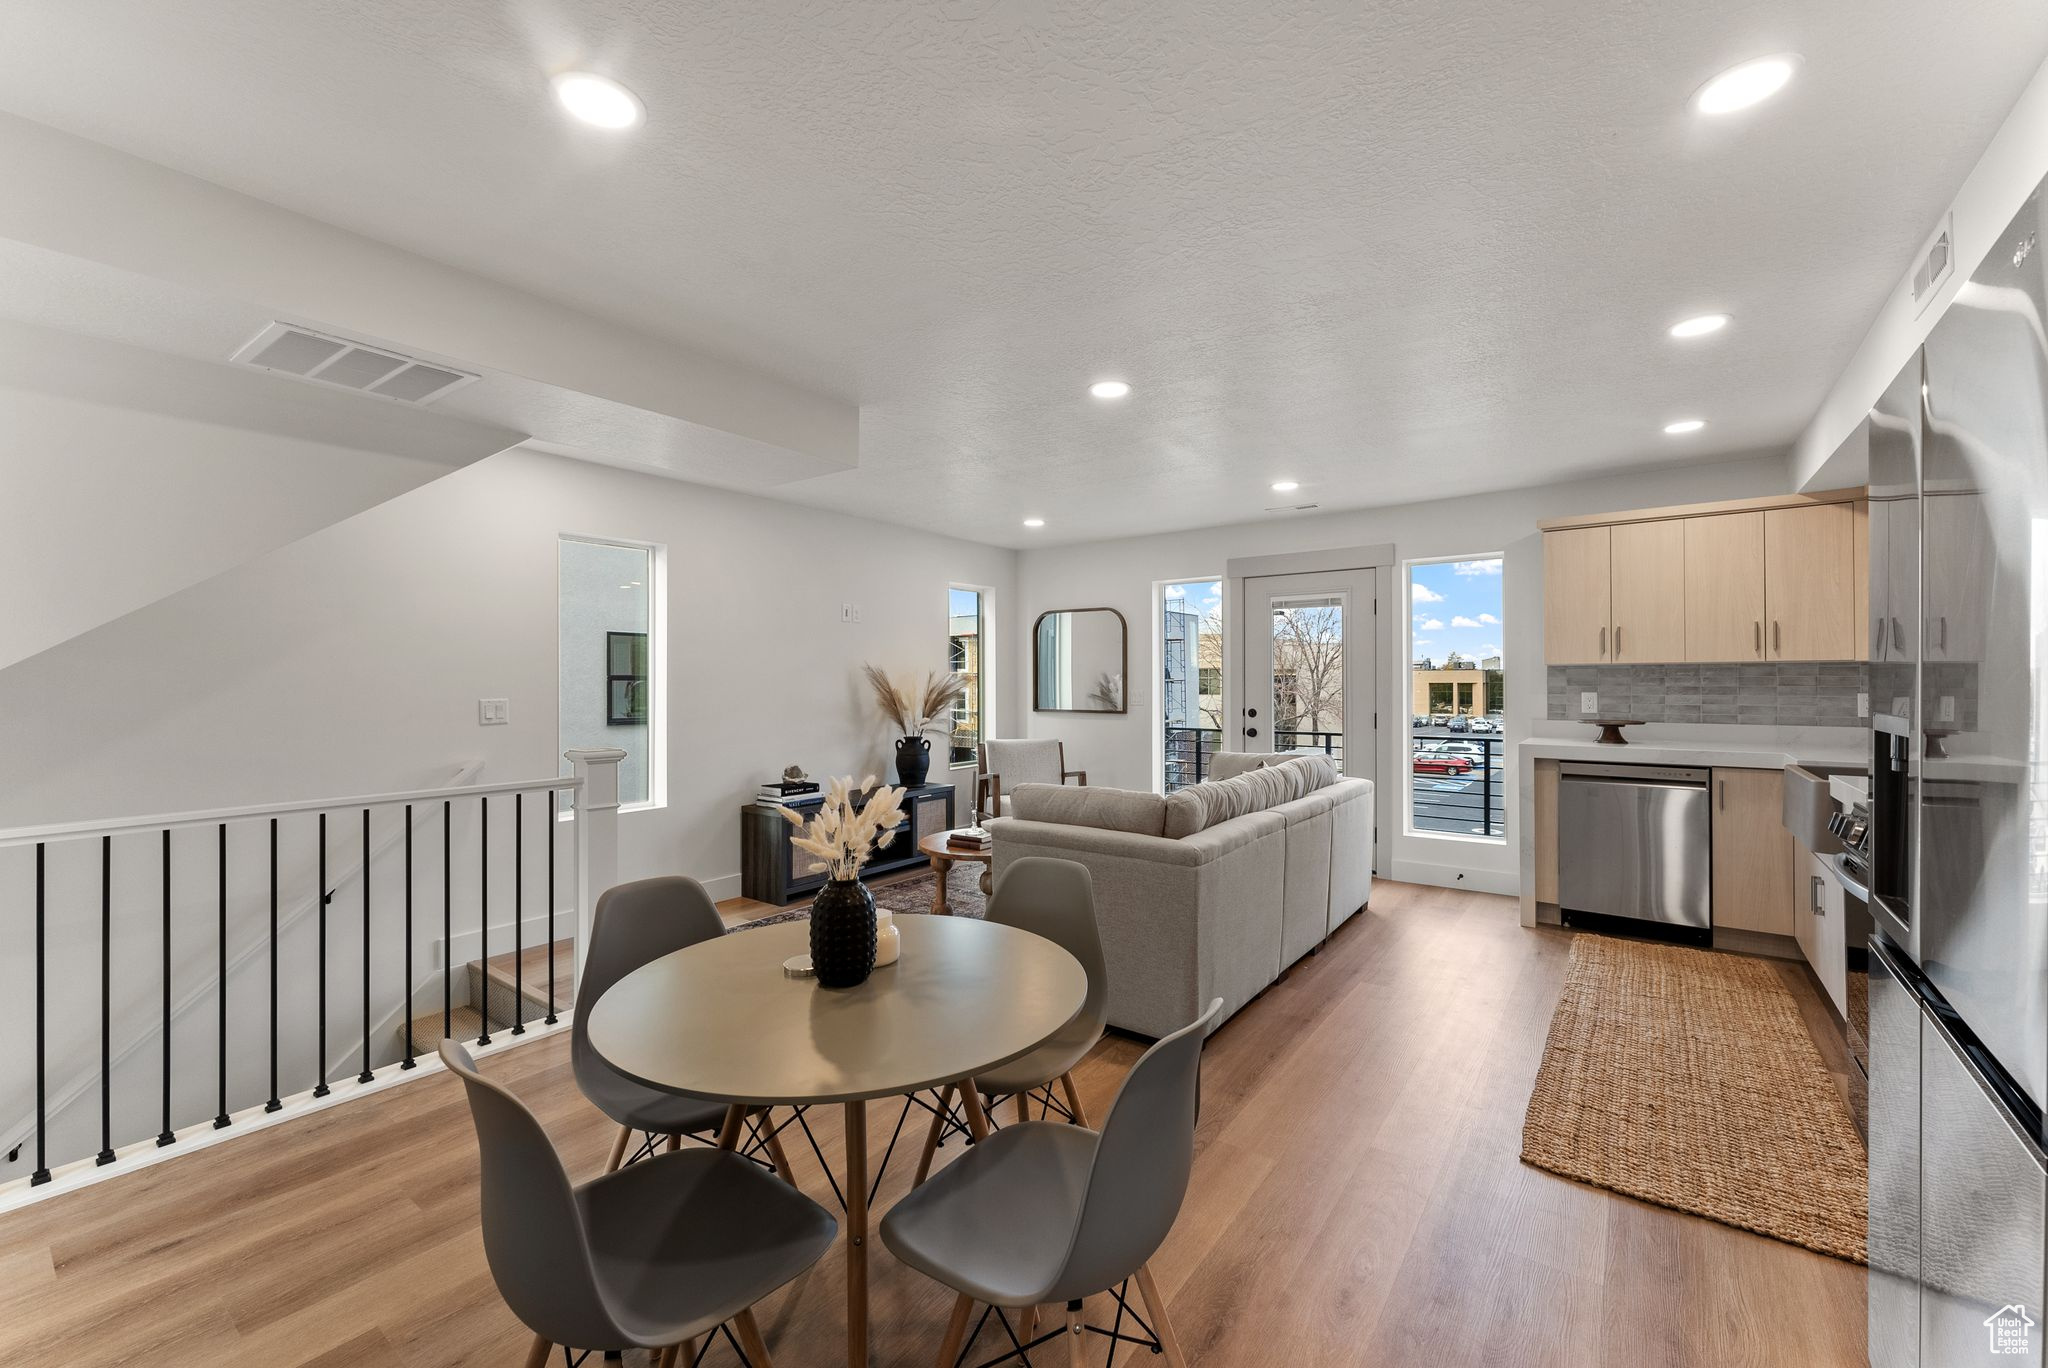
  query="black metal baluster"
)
[
  {"x": 320, "y": 1027},
  {"x": 42, "y": 1173},
  {"x": 220, "y": 1117},
  {"x": 106, "y": 1154},
  {"x": 518, "y": 915},
  {"x": 447, "y": 920},
  {"x": 273, "y": 1104},
  {"x": 554, "y": 834},
  {"x": 408, "y": 1062},
  {"x": 483, "y": 902},
  {"x": 366, "y": 1076},
  {"x": 167, "y": 1136}
]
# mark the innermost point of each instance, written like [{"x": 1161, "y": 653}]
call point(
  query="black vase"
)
[
  {"x": 843, "y": 933},
  {"x": 913, "y": 760}
]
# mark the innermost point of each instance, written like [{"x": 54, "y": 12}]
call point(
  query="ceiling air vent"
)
[{"x": 285, "y": 349}]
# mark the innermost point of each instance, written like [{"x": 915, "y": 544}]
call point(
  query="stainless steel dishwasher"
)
[{"x": 1635, "y": 841}]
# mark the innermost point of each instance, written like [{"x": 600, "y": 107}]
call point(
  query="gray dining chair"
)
[
  {"x": 1054, "y": 899},
  {"x": 635, "y": 924},
  {"x": 648, "y": 1257},
  {"x": 1044, "y": 1213}
]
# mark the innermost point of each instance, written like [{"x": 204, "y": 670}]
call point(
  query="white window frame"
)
[
  {"x": 1406, "y": 754},
  {"x": 657, "y": 665},
  {"x": 987, "y": 680}
]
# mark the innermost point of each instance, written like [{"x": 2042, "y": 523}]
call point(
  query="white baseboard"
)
[
  {"x": 723, "y": 887},
  {"x": 469, "y": 945},
  {"x": 1452, "y": 876}
]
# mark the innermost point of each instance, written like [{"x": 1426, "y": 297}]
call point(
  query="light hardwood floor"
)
[{"x": 1357, "y": 1200}]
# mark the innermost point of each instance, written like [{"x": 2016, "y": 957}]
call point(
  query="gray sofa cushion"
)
[
  {"x": 1320, "y": 770},
  {"x": 1106, "y": 809},
  {"x": 1186, "y": 812}
]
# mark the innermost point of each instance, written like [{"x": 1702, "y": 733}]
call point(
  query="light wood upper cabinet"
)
[
  {"x": 1724, "y": 587},
  {"x": 1575, "y": 596},
  {"x": 1753, "y": 852},
  {"x": 1646, "y": 578},
  {"x": 1809, "y": 557}
]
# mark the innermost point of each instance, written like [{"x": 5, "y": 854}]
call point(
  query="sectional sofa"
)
[{"x": 1213, "y": 890}]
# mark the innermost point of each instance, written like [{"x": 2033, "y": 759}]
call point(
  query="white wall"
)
[
  {"x": 1118, "y": 749},
  {"x": 351, "y": 661},
  {"x": 2014, "y": 163}
]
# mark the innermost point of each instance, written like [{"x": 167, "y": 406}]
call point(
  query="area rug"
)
[
  {"x": 910, "y": 894},
  {"x": 1687, "y": 1078}
]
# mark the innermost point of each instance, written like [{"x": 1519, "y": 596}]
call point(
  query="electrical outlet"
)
[
  {"x": 1863, "y": 705},
  {"x": 1948, "y": 708},
  {"x": 1589, "y": 703},
  {"x": 846, "y": 612},
  {"x": 493, "y": 712}
]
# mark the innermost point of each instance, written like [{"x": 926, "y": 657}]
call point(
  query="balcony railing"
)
[
  {"x": 209, "y": 972},
  {"x": 1458, "y": 784},
  {"x": 1187, "y": 754}
]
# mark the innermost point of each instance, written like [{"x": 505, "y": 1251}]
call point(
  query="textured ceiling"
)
[{"x": 1392, "y": 250}]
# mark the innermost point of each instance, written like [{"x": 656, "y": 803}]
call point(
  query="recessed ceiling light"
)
[
  {"x": 597, "y": 99},
  {"x": 1109, "y": 389},
  {"x": 1701, "y": 326},
  {"x": 1739, "y": 87},
  {"x": 1683, "y": 426},
  {"x": 1034, "y": 522},
  {"x": 1286, "y": 486}
]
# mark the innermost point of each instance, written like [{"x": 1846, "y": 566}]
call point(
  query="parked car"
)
[
  {"x": 1460, "y": 723},
  {"x": 1442, "y": 762},
  {"x": 1485, "y": 724},
  {"x": 1423, "y": 719},
  {"x": 1472, "y": 750}
]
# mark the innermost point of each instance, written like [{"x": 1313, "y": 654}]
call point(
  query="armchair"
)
[{"x": 999, "y": 766}]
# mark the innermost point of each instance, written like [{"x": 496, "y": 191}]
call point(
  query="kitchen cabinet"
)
[
  {"x": 1724, "y": 587},
  {"x": 1646, "y": 578},
  {"x": 1753, "y": 853},
  {"x": 1859, "y": 558},
  {"x": 1819, "y": 917},
  {"x": 1958, "y": 544},
  {"x": 1575, "y": 596},
  {"x": 1809, "y": 563}
]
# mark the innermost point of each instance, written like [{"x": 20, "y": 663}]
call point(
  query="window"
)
[
  {"x": 1191, "y": 679},
  {"x": 609, "y": 668},
  {"x": 964, "y": 636},
  {"x": 1457, "y": 682}
]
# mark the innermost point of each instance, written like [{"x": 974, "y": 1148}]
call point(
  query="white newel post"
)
[{"x": 597, "y": 835}]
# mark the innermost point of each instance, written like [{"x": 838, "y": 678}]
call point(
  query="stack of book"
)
[
  {"x": 788, "y": 793},
  {"x": 970, "y": 841}
]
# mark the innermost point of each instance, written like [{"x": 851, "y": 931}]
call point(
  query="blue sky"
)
[
  {"x": 1456, "y": 606},
  {"x": 1202, "y": 595}
]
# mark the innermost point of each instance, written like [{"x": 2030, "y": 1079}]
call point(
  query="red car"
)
[{"x": 1436, "y": 762}]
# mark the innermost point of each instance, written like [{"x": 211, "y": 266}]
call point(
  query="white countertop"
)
[{"x": 1724, "y": 754}]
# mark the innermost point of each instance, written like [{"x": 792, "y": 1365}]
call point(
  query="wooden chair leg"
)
[
  {"x": 1024, "y": 1105},
  {"x": 1077, "y": 1356},
  {"x": 931, "y": 1137},
  {"x": 776, "y": 1154},
  {"x": 669, "y": 1355},
  {"x": 675, "y": 1142},
  {"x": 537, "y": 1355},
  {"x": 1162, "y": 1326},
  {"x": 1073, "y": 1099},
  {"x": 956, "y": 1331},
  {"x": 1028, "y": 1324},
  {"x": 750, "y": 1339},
  {"x": 611, "y": 1165}
]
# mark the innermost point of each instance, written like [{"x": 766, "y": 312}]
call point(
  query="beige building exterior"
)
[{"x": 1463, "y": 687}]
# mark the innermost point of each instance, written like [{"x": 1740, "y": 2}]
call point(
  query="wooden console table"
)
[{"x": 772, "y": 870}]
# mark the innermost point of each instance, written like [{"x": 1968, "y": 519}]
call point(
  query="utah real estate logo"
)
[{"x": 2010, "y": 1328}]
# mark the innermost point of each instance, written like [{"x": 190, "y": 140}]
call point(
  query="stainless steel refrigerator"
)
[{"x": 1958, "y": 1009}]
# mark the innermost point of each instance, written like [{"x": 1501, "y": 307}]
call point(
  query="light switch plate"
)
[
  {"x": 1948, "y": 708},
  {"x": 493, "y": 712},
  {"x": 1589, "y": 702}
]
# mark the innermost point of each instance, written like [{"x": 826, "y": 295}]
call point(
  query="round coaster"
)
[{"x": 798, "y": 966}]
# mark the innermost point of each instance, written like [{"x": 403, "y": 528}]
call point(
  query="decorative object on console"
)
[
  {"x": 843, "y": 834},
  {"x": 1610, "y": 732},
  {"x": 793, "y": 787},
  {"x": 915, "y": 712},
  {"x": 888, "y": 941}
]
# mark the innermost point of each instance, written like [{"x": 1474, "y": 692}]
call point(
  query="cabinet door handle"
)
[
  {"x": 1603, "y": 643},
  {"x": 1777, "y": 646},
  {"x": 1814, "y": 904},
  {"x": 1759, "y": 636},
  {"x": 1617, "y": 641},
  {"x": 1722, "y": 787},
  {"x": 1942, "y": 620}
]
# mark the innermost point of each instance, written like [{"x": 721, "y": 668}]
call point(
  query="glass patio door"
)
[{"x": 1309, "y": 666}]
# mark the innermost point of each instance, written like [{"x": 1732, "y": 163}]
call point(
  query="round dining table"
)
[{"x": 720, "y": 1020}]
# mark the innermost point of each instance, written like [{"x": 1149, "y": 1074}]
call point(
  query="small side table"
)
[{"x": 943, "y": 859}]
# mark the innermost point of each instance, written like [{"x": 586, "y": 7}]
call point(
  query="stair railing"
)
[{"x": 113, "y": 938}]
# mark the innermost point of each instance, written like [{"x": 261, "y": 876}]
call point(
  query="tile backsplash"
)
[{"x": 1763, "y": 693}]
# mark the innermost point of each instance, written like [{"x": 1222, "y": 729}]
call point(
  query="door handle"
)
[
  {"x": 1251, "y": 731},
  {"x": 1813, "y": 902},
  {"x": 1777, "y": 646},
  {"x": 1759, "y": 636},
  {"x": 1603, "y": 643},
  {"x": 1721, "y": 786},
  {"x": 1617, "y": 641},
  {"x": 1943, "y": 643},
  {"x": 1898, "y": 635}
]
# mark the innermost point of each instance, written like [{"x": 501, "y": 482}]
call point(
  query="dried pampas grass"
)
[
  {"x": 915, "y": 710},
  {"x": 844, "y": 836}
]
